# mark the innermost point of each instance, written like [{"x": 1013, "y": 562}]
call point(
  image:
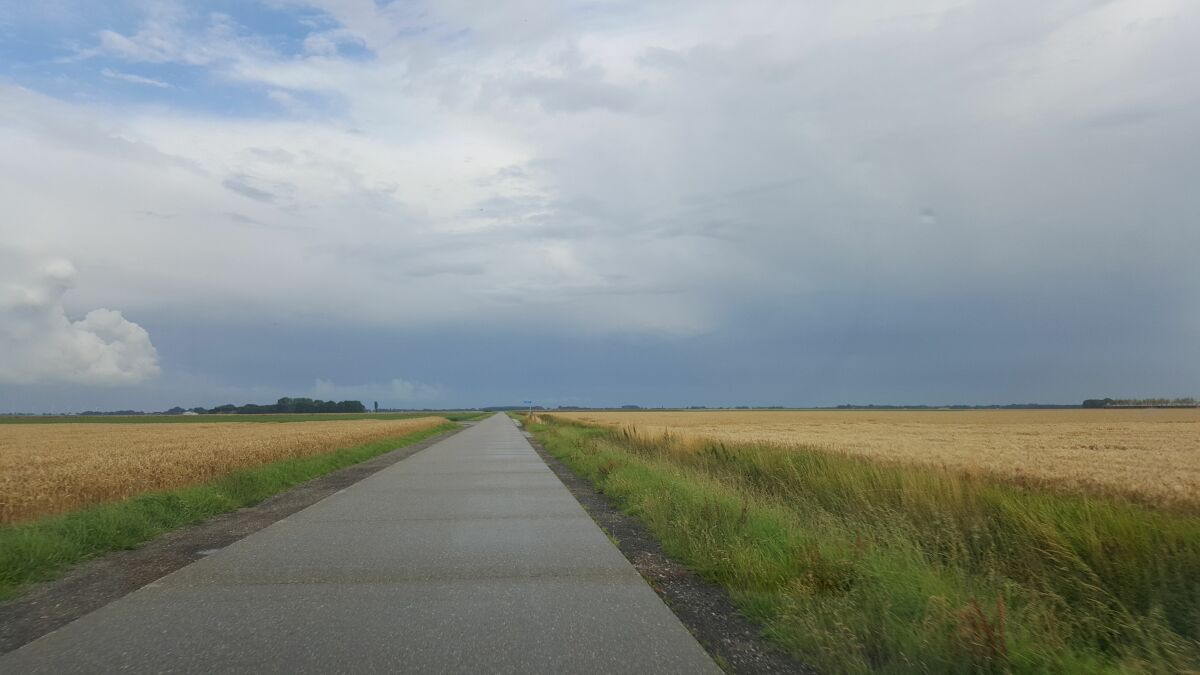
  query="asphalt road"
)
[{"x": 470, "y": 556}]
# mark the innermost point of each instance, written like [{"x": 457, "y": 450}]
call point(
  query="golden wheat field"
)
[
  {"x": 1152, "y": 455},
  {"x": 53, "y": 468}
]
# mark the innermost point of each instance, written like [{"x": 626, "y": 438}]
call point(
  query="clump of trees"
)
[
  {"x": 1184, "y": 402},
  {"x": 284, "y": 405}
]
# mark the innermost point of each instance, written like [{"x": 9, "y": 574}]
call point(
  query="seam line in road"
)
[
  {"x": 408, "y": 519},
  {"x": 475, "y": 490},
  {"x": 537, "y": 472},
  {"x": 401, "y": 580}
]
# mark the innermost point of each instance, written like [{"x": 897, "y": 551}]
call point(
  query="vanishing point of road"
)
[{"x": 469, "y": 556}]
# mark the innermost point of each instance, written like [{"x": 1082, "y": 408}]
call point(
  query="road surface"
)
[{"x": 469, "y": 556}]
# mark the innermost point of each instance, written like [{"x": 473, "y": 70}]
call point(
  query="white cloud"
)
[
  {"x": 133, "y": 79},
  {"x": 170, "y": 33},
  {"x": 40, "y": 344}
]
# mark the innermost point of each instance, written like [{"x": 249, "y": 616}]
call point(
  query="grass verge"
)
[
  {"x": 40, "y": 550},
  {"x": 859, "y": 567}
]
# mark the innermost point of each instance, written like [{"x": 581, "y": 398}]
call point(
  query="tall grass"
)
[
  {"x": 1150, "y": 456},
  {"x": 858, "y": 566}
]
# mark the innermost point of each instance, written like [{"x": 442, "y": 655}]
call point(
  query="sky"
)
[{"x": 442, "y": 203}]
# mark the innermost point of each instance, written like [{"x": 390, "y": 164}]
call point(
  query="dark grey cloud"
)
[
  {"x": 242, "y": 186},
  {"x": 278, "y": 155},
  {"x": 435, "y": 269}
]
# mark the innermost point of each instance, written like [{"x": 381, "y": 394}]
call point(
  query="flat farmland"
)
[
  {"x": 47, "y": 469},
  {"x": 1059, "y": 541},
  {"x": 1150, "y": 455}
]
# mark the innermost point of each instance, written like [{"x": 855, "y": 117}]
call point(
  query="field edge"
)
[
  {"x": 796, "y": 581},
  {"x": 44, "y": 549}
]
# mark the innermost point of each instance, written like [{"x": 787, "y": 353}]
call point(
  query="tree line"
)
[
  {"x": 1187, "y": 401},
  {"x": 286, "y": 404}
]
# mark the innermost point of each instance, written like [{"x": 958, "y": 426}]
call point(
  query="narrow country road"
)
[{"x": 470, "y": 556}]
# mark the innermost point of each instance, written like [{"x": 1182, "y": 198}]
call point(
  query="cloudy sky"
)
[{"x": 448, "y": 203}]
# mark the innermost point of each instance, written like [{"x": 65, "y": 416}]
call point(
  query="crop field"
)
[
  {"x": 273, "y": 418},
  {"x": 1150, "y": 455},
  {"x": 48, "y": 469}
]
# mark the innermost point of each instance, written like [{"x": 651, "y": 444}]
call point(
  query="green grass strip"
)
[
  {"x": 42, "y": 549},
  {"x": 860, "y": 567}
]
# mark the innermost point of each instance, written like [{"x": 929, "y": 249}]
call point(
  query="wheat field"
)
[
  {"x": 53, "y": 468},
  {"x": 1151, "y": 455}
]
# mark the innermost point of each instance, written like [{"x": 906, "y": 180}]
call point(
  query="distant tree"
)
[
  {"x": 1153, "y": 402},
  {"x": 175, "y": 411},
  {"x": 300, "y": 406},
  {"x": 252, "y": 409}
]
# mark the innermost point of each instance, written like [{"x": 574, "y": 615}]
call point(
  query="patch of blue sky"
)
[
  {"x": 50, "y": 31},
  {"x": 283, "y": 28},
  {"x": 187, "y": 89},
  {"x": 355, "y": 51},
  {"x": 35, "y": 32},
  {"x": 64, "y": 17},
  {"x": 55, "y": 53}
]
